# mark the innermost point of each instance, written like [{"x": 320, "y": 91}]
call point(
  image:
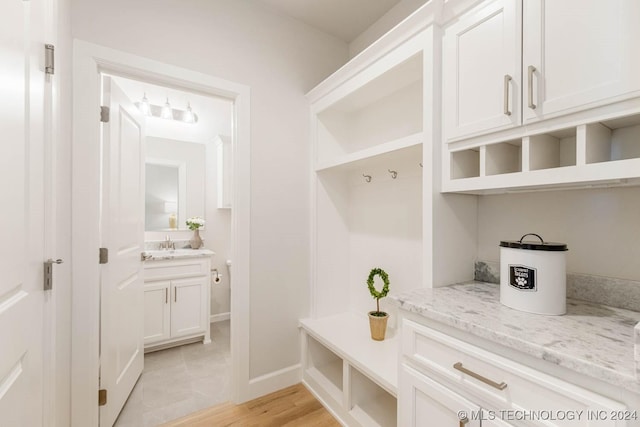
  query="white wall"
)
[
  {"x": 600, "y": 226},
  {"x": 280, "y": 59},
  {"x": 62, "y": 140}
]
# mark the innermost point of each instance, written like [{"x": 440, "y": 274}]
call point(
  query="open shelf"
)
[
  {"x": 505, "y": 157},
  {"x": 325, "y": 368},
  {"x": 386, "y": 108},
  {"x": 613, "y": 140},
  {"x": 371, "y": 405},
  {"x": 465, "y": 163},
  {"x": 347, "y": 336},
  {"x": 603, "y": 153},
  {"x": 552, "y": 150},
  {"x": 390, "y": 147},
  {"x": 349, "y": 372}
]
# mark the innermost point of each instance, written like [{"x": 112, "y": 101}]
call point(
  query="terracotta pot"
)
[{"x": 378, "y": 326}]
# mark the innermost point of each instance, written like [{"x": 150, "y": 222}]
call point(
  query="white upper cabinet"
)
[
  {"x": 578, "y": 54},
  {"x": 482, "y": 70},
  {"x": 510, "y": 62}
]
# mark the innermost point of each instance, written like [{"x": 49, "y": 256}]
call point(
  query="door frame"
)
[{"x": 89, "y": 60}]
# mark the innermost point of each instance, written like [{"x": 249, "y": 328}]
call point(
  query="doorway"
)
[
  {"x": 187, "y": 137},
  {"x": 90, "y": 62}
]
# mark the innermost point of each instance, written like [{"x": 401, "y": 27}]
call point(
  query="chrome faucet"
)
[{"x": 167, "y": 244}]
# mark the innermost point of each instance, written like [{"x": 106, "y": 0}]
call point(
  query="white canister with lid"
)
[{"x": 533, "y": 275}]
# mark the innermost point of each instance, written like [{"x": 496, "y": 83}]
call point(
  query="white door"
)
[
  {"x": 424, "y": 402},
  {"x": 122, "y": 232},
  {"x": 583, "y": 52},
  {"x": 188, "y": 309},
  {"x": 157, "y": 313},
  {"x": 481, "y": 70},
  {"x": 25, "y": 110}
]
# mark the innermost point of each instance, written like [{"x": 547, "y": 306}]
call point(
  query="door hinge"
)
[
  {"x": 104, "y": 255},
  {"x": 49, "y": 59},
  {"x": 102, "y": 397},
  {"x": 104, "y": 114}
]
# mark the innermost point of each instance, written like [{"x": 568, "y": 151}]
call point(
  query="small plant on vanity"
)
[
  {"x": 378, "y": 319},
  {"x": 194, "y": 223}
]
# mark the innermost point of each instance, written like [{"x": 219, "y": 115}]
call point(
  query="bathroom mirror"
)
[
  {"x": 162, "y": 196},
  {"x": 175, "y": 175}
]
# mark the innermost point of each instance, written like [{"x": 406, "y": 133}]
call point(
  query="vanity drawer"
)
[
  {"x": 176, "y": 269},
  {"x": 502, "y": 383}
]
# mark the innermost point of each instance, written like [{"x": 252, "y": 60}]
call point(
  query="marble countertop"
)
[
  {"x": 591, "y": 339},
  {"x": 164, "y": 254}
]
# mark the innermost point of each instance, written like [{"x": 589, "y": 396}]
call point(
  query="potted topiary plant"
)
[{"x": 378, "y": 319}]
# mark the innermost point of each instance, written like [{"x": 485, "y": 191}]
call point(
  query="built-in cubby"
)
[
  {"x": 552, "y": 150},
  {"x": 605, "y": 151},
  {"x": 465, "y": 163},
  {"x": 612, "y": 140},
  {"x": 504, "y": 157},
  {"x": 325, "y": 367},
  {"x": 349, "y": 372},
  {"x": 370, "y": 404}
]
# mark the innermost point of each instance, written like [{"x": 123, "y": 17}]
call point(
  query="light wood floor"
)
[{"x": 291, "y": 407}]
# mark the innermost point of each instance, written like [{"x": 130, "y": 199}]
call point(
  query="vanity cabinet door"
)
[
  {"x": 424, "y": 402},
  {"x": 188, "y": 306},
  {"x": 157, "y": 312}
]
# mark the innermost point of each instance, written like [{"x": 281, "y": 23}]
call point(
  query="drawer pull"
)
[
  {"x": 499, "y": 386},
  {"x": 464, "y": 421}
]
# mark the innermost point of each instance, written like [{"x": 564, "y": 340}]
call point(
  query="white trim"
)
[
  {"x": 88, "y": 60},
  {"x": 275, "y": 380},
  {"x": 220, "y": 317}
]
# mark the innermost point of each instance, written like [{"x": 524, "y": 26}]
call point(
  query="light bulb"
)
[
  {"x": 167, "y": 112},
  {"x": 188, "y": 115},
  {"x": 144, "y": 106}
]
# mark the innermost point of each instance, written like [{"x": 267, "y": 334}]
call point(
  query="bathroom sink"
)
[{"x": 157, "y": 254}]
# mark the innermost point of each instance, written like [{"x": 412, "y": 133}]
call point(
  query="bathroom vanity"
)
[{"x": 176, "y": 297}]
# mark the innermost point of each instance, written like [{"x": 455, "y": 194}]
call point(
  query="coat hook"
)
[
  {"x": 394, "y": 174},
  {"x": 367, "y": 177}
]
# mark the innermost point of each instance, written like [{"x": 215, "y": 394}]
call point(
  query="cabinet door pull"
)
[
  {"x": 507, "y": 81},
  {"x": 530, "y": 72},
  {"x": 464, "y": 421},
  {"x": 499, "y": 386},
  {"x": 175, "y": 294},
  {"x": 166, "y": 295}
]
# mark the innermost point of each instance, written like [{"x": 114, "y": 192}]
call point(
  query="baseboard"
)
[
  {"x": 221, "y": 317},
  {"x": 274, "y": 381}
]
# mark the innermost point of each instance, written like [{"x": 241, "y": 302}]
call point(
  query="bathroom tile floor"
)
[{"x": 180, "y": 380}]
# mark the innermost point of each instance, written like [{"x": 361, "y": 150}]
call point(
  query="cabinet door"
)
[
  {"x": 584, "y": 52},
  {"x": 424, "y": 402},
  {"x": 188, "y": 306},
  {"x": 482, "y": 70},
  {"x": 157, "y": 312}
]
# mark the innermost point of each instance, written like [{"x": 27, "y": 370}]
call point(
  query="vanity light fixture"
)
[
  {"x": 188, "y": 117},
  {"x": 166, "y": 112},
  {"x": 144, "y": 106}
]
